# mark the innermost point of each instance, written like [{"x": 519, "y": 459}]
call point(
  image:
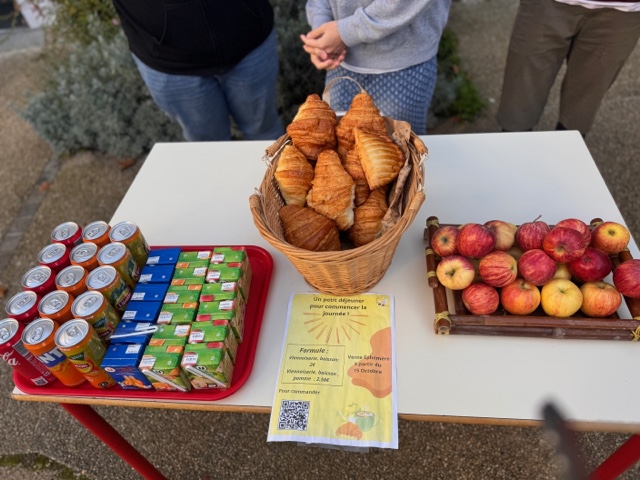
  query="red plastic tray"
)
[{"x": 262, "y": 267}]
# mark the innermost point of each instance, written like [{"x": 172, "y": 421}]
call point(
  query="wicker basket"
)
[{"x": 355, "y": 270}]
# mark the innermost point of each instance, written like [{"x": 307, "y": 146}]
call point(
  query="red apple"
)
[
  {"x": 530, "y": 235},
  {"x": 610, "y": 237},
  {"x": 443, "y": 241},
  {"x": 599, "y": 299},
  {"x": 520, "y": 297},
  {"x": 560, "y": 297},
  {"x": 481, "y": 299},
  {"x": 475, "y": 240},
  {"x": 505, "y": 233},
  {"x": 536, "y": 266},
  {"x": 626, "y": 278},
  {"x": 592, "y": 266},
  {"x": 455, "y": 272},
  {"x": 578, "y": 225},
  {"x": 564, "y": 244},
  {"x": 498, "y": 268}
]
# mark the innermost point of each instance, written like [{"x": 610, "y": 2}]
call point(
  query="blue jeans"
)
[{"x": 202, "y": 106}]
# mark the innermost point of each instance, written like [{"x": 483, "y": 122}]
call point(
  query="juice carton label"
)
[
  {"x": 208, "y": 366},
  {"x": 142, "y": 311},
  {"x": 186, "y": 296},
  {"x": 149, "y": 292},
  {"x": 121, "y": 363},
  {"x": 156, "y": 274},
  {"x": 163, "y": 256},
  {"x": 178, "y": 314},
  {"x": 166, "y": 345},
  {"x": 172, "y": 331},
  {"x": 187, "y": 281},
  {"x": 190, "y": 272},
  {"x": 215, "y": 331},
  {"x": 194, "y": 256},
  {"x": 196, "y": 264},
  {"x": 216, "y": 288}
]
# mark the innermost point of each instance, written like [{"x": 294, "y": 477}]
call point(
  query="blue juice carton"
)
[
  {"x": 133, "y": 333},
  {"x": 142, "y": 311},
  {"x": 164, "y": 256},
  {"x": 121, "y": 362},
  {"x": 149, "y": 292},
  {"x": 156, "y": 274}
]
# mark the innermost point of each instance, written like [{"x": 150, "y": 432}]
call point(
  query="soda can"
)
[
  {"x": 98, "y": 312},
  {"x": 96, "y": 232},
  {"x": 40, "y": 280},
  {"x": 84, "y": 255},
  {"x": 129, "y": 234},
  {"x": 54, "y": 256},
  {"x": 37, "y": 337},
  {"x": 83, "y": 347},
  {"x": 19, "y": 358},
  {"x": 56, "y": 306},
  {"x": 72, "y": 280},
  {"x": 120, "y": 258},
  {"x": 67, "y": 233},
  {"x": 106, "y": 280},
  {"x": 23, "y": 306}
]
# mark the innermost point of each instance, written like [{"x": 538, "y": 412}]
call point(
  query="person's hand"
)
[
  {"x": 322, "y": 60},
  {"x": 326, "y": 37}
]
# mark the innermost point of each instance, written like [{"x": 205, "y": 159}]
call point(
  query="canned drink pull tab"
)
[
  {"x": 64, "y": 232},
  {"x": 125, "y": 231},
  {"x": 55, "y": 303},
  {"x": 112, "y": 253},
  {"x": 89, "y": 301},
  {"x": 39, "y": 277},
  {"x": 69, "y": 278},
  {"x": 53, "y": 252},
  {"x": 74, "y": 331},
  {"x": 36, "y": 335},
  {"x": 103, "y": 278},
  {"x": 93, "y": 231},
  {"x": 5, "y": 334}
]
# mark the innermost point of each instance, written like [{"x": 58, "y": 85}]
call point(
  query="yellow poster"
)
[{"x": 337, "y": 378}]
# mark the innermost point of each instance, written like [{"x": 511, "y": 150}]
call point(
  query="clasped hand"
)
[{"x": 325, "y": 46}]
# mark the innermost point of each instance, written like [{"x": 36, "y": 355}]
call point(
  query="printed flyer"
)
[{"x": 337, "y": 378}]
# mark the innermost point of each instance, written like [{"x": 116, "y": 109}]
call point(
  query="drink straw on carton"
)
[{"x": 143, "y": 331}]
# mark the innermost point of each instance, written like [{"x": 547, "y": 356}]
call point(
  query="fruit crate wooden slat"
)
[{"x": 460, "y": 321}]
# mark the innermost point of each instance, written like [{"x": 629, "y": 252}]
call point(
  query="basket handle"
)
[
  {"x": 326, "y": 95},
  {"x": 273, "y": 149}
]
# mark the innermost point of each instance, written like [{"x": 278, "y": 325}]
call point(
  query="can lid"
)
[
  {"x": 70, "y": 276},
  {"x": 71, "y": 333},
  {"x": 21, "y": 302},
  {"x": 37, "y": 331},
  {"x": 64, "y": 231},
  {"x": 36, "y": 276},
  {"x": 53, "y": 302},
  {"x": 51, "y": 253},
  {"x": 100, "y": 277},
  {"x": 95, "y": 230},
  {"x": 8, "y": 329},
  {"x": 87, "y": 304},
  {"x": 111, "y": 253},
  {"x": 83, "y": 252},
  {"x": 123, "y": 231}
]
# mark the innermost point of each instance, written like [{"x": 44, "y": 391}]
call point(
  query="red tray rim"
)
[{"x": 262, "y": 268}]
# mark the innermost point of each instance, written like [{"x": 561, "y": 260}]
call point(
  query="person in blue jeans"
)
[{"x": 206, "y": 62}]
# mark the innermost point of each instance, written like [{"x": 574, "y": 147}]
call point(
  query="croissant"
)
[
  {"x": 349, "y": 429},
  {"x": 305, "y": 228},
  {"x": 313, "y": 129},
  {"x": 333, "y": 190},
  {"x": 354, "y": 168},
  {"x": 381, "y": 158},
  {"x": 367, "y": 224},
  {"x": 293, "y": 176},
  {"x": 362, "y": 114}
]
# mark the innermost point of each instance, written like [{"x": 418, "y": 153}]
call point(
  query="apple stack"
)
[{"x": 560, "y": 268}]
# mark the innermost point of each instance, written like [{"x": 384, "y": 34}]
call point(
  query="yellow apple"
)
[
  {"x": 455, "y": 272},
  {"x": 560, "y": 298},
  {"x": 562, "y": 271},
  {"x": 610, "y": 237}
]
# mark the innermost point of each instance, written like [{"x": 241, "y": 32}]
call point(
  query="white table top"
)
[{"x": 469, "y": 178}]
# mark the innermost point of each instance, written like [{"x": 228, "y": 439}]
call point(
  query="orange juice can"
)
[
  {"x": 72, "y": 280},
  {"x": 96, "y": 232},
  {"x": 56, "y": 305},
  {"x": 130, "y": 235},
  {"x": 37, "y": 338},
  {"x": 82, "y": 346},
  {"x": 119, "y": 257},
  {"x": 95, "y": 309},
  {"x": 106, "y": 280},
  {"x": 85, "y": 255}
]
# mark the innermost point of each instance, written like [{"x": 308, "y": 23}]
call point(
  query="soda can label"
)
[{"x": 13, "y": 352}]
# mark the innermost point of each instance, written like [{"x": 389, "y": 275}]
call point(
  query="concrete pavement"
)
[{"x": 39, "y": 192}]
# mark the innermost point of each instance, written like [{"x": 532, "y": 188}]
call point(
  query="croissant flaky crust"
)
[
  {"x": 333, "y": 190},
  {"x": 367, "y": 225},
  {"x": 305, "y": 228},
  {"x": 362, "y": 114},
  {"x": 293, "y": 176},
  {"x": 353, "y": 168},
  {"x": 313, "y": 129},
  {"x": 381, "y": 158}
]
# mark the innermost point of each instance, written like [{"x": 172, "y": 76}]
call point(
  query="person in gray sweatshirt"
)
[{"x": 388, "y": 46}]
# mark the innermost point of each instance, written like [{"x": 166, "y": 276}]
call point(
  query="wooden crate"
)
[{"x": 451, "y": 317}]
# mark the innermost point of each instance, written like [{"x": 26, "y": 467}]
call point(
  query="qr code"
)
[{"x": 294, "y": 415}]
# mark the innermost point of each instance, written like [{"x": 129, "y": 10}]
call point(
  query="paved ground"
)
[{"x": 39, "y": 192}]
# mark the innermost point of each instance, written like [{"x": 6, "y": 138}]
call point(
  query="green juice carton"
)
[
  {"x": 236, "y": 254},
  {"x": 178, "y": 294},
  {"x": 207, "y": 365},
  {"x": 215, "y": 331},
  {"x": 187, "y": 281},
  {"x": 172, "y": 331},
  {"x": 177, "y": 314},
  {"x": 189, "y": 272},
  {"x": 231, "y": 310},
  {"x": 194, "y": 256},
  {"x": 230, "y": 272},
  {"x": 161, "y": 365},
  {"x": 193, "y": 264}
]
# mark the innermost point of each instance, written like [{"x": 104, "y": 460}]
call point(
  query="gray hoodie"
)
[{"x": 384, "y": 34}]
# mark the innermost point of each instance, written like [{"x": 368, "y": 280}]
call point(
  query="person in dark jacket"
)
[{"x": 205, "y": 61}]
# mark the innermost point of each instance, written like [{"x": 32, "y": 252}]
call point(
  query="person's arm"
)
[{"x": 318, "y": 13}]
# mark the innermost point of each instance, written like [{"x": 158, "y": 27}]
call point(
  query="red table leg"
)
[
  {"x": 619, "y": 461},
  {"x": 97, "y": 425}
]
